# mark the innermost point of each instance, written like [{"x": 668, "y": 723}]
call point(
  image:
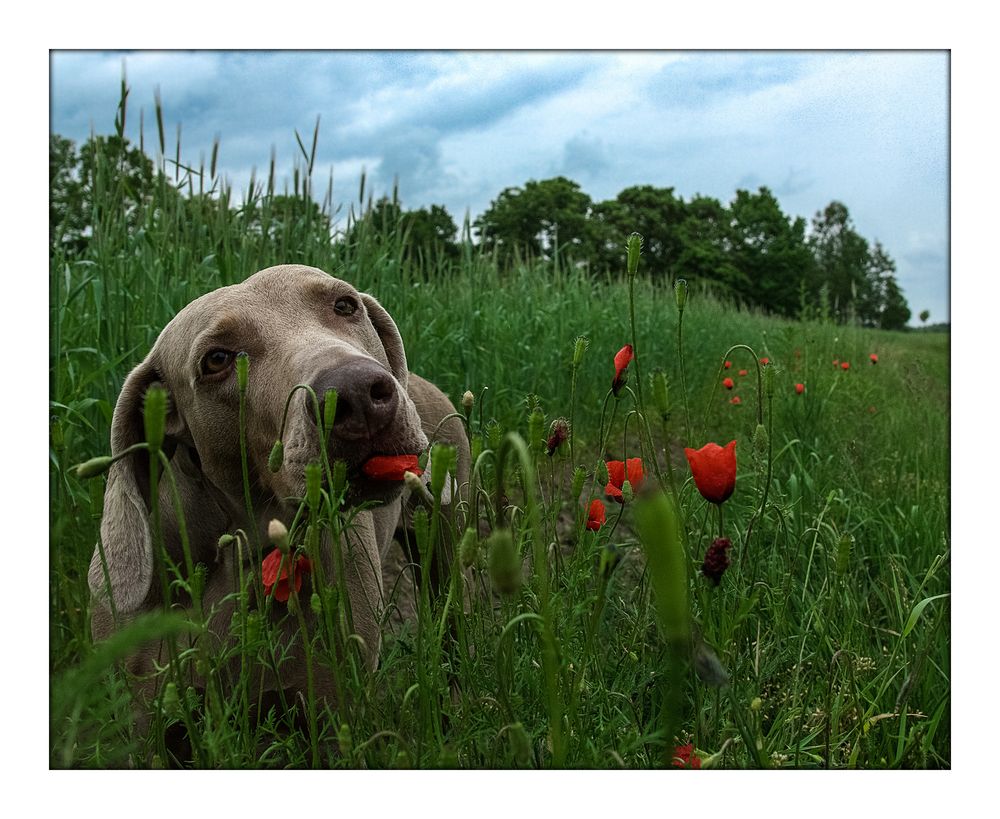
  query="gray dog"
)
[{"x": 299, "y": 326}]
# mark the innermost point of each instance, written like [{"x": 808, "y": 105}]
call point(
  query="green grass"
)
[{"x": 834, "y": 656}]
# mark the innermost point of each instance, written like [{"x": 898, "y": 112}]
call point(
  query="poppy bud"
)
[
  {"x": 661, "y": 399},
  {"x": 756, "y": 704},
  {"x": 225, "y": 541},
  {"x": 576, "y": 487},
  {"x": 536, "y": 423},
  {"x": 417, "y": 487},
  {"x": 716, "y": 559},
  {"x": 338, "y": 479},
  {"x": 558, "y": 432},
  {"x": 874, "y": 358},
  {"x": 505, "y": 569},
  {"x": 329, "y": 409},
  {"x": 242, "y": 370},
  {"x": 344, "y": 740},
  {"x": 315, "y": 604},
  {"x": 421, "y": 529},
  {"x": 579, "y": 348},
  {"x": 197, "y": 581},
  {"x": 494, "y": 434},
  {"x": 602, "y": 473},
  {"x": 278, "y": 535},
  {"x": 800, "y": 388},
  {"x": 468, "y": 549},
  {"x": 56, "y": 431},
  {"x": 254, "y": 625},
  {"x": 626, "y": 491},
  {"x": 154, "y": 417},
  {"x": 170, "y": 702},
  {"x": 468, "y": 400},
  {"x": 402, "y": 761},
  {"x": 760, "y": 440},
  {"x": 94, "y": 467},
  {"x": 277, "y": 456},
  {"x": 769, "y": 381},
  {"x": 844, "y": 546},
  {"x": 728, "y": 383},
  {"x": 314, "y": 479},
  {"x": 633, "y": 247},
  {"x": 681, "y": 293}
]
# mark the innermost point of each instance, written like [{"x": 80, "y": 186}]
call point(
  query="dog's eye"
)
[
  {"x": 345, "y": 306},
  {"x": 217, "y": 361}
]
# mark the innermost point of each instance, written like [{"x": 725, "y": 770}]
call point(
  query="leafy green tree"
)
[
  {"x": 542, "y": 218},
  {"x": 924, "y": 315},
  {"x": 895, "y": 310},
  {"x": 842, "y": 261},
  {"x": 770, "y": 251},
  {"x": 706, "y": 247},
  {"x": 425, "y": 236},
  {"x": 656, "y": 213}
]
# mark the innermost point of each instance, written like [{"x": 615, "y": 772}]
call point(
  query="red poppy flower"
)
[
  {"x": 735, "y": 400},
  {"x": 278, "y": 584},
  {"x": 714, "y": 470},
  {"x": 844, "y": 365},
  {"x": 716, "y": 559},
  {"x": 874, "y": 358},
  {"x": 765, "y": 361},
  {"x": 597, "y": 515},
  {"x": 685, "y": 757},
  {"x": 390, "y": 467},
  {"x": 622, "y": 359},
  {"x": 616, "y": 477},
  {"x": 800, "y": 388},
  {"x": 743, "y": 372},
  {"x": 728, "y": 383},
  {"x": 728, "y": 364},
  {"x": 836, "y": 361}
]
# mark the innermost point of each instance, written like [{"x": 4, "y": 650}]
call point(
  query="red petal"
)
[
  {"x": 597, "y": 515},
  {"x": 390, "y": 467},
  {"x": 635, "y": 472},
  {"x": 622, "y": 359},
  {"x": 616, "y": 474}
]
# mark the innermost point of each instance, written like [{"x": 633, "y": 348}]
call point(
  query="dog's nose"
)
[{"x": 367, "y": 398}]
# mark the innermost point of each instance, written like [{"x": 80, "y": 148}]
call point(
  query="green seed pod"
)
[
  {"x": 602, "y": 473},
  {"x": 242, "y": 371},
  {"x": 520, "y": 744},
  {"x": 442, "y": 462},
  {"x": 633, "y": 247},
  {"x": 681, "y": 293},
  {"x": 536, "y": 430},
  {"x": 505, "y": 568},
  {"x": 329, "y": 410},
  {"x": 579, "y": 348},
  {"x": 339, "y": 478},
  {"x": 661, "y": 397},
  {"x": 760, "y": 441},
  {"x": 579, "y": 478},
  {"x": 154, "y": 417},
  {"x": 277, "y": 456},
  {"x": 314, "y": 479},
  {"x": 316, "y": 604},
  {"x": 94, "y": 467},
  {"x": 468, "y": 548}
]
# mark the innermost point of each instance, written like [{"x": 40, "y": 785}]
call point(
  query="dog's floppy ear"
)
[
  {"x": 125, "y": 531},
  {"x": 389, "y": 335}
]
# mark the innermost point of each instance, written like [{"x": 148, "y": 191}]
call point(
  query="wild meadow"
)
[{"x": 629, "y": 598}]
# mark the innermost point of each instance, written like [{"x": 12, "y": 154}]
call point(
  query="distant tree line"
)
[{"x": 748, "y": 249}]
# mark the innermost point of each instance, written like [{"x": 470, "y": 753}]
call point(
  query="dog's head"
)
[{"x": 297, "y": 325}]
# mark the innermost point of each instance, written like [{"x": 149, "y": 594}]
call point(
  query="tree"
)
[
  {"x": 656, "y": 213},
  {"x": 425, "y": 236},
  {"x": 769, "y": 249},
  {"x": 706, "y": 246},
  {"x": 842, "y": 260},
  {"x": 543, "y": 218},
  {"x": 895, "y": 311},
  {"x": 924, "y": 315}
]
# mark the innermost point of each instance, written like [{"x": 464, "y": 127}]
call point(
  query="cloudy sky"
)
[{"x": 869, "y": 129}]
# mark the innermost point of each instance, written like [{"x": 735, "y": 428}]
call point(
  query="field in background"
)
[{"x": 835, "y": 656}]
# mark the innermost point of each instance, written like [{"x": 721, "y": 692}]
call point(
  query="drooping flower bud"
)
[
  {"x": 277, "y": 456},
  {"x": 225, "y": 541},
  {"x": 94, "y": 467},
  {"x": 633, "y": 247}
]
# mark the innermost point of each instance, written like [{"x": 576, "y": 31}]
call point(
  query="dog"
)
[{"x": 298, "y": 325}]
